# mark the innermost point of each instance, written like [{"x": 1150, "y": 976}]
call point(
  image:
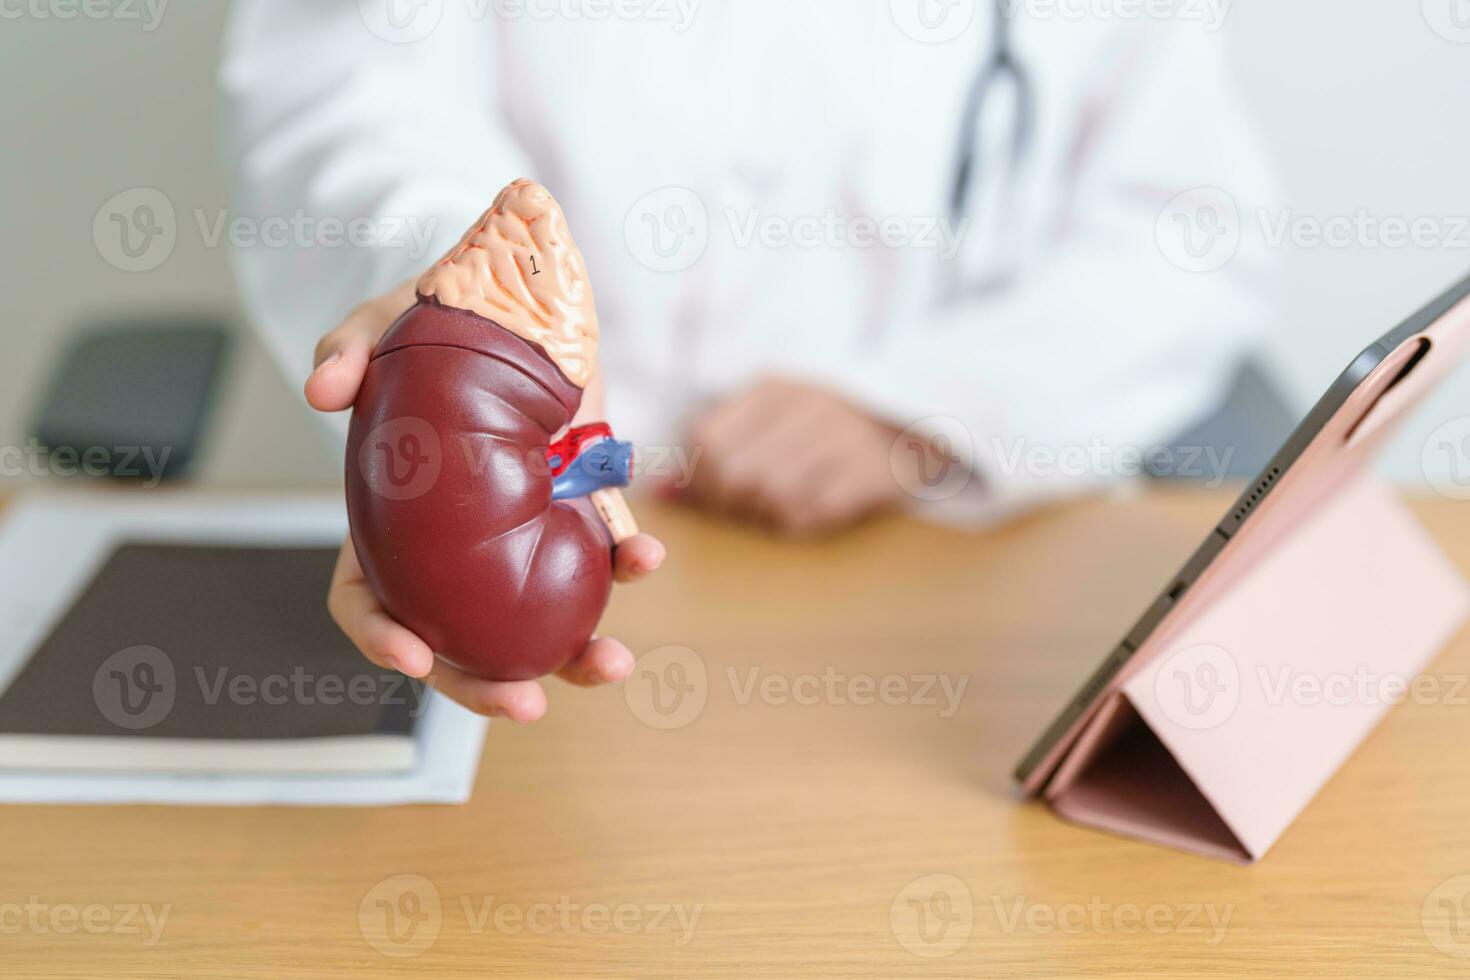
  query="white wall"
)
[
  {"x": 94, "y": 107},
  {"x": 1363, "y": 101},
  {"x": 1365, "y": 105}
]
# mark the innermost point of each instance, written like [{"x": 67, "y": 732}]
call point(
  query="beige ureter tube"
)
[{"x": 615, "y": 513}]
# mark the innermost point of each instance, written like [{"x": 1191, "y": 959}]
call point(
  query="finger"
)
[
  {"x": 519, "y": 701},
  {"x": 637, "y": 558},
  {"x": 727, "y": 475},
  {"x": 790, "y": 458},
  {"x": 730, "y": 420},
  {"x": 838, "y": 503},
  {"x": 841, "y": 483},
  {"x": 718, "y": 439},
  {"x": 356, "y": 611},
  {"x": 783, "y": 500},
  {"x": 341, "y": 361},
  {"x": 342, "y": 355},
  {"x": 605, "y": 661}
]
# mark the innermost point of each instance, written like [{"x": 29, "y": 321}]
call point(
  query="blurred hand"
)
[
  {"x": 794, "y": 458},
  {"x": 341, "y": 361}
]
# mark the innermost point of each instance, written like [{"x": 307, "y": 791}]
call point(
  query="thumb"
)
[{"x": 342, "y": 355}]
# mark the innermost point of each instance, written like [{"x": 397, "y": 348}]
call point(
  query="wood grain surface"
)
[{"x": 808, "y": 776}]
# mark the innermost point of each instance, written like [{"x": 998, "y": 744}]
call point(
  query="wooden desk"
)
[{"x": 795, "y": 830}]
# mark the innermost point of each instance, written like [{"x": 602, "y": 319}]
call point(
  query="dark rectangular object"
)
[
  {"x": 205, "y": 644},
  {"x": 132, "y": 400}
]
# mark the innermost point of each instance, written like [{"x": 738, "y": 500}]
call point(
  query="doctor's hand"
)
[
  {"x": 392, "y": 645},
  {"x": 794, "y": 458},
  {"x": 341, "y": 361}
]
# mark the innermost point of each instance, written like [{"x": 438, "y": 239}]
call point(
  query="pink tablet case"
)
[{"x": 1284, "y": 655}]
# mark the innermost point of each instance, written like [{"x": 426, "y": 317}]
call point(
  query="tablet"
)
[{"x": 1325, "y": 454}]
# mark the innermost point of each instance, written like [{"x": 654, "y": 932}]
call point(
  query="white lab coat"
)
[{"x": 767, "y": 125}]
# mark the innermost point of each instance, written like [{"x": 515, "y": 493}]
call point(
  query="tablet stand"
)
[{"x": 1242, "y": 710}]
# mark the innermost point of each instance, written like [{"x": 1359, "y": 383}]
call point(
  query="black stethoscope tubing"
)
[{"x": 1000, "y": 64}]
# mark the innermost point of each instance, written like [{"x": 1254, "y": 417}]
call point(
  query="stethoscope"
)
[{"x": 999, "y": 72}]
